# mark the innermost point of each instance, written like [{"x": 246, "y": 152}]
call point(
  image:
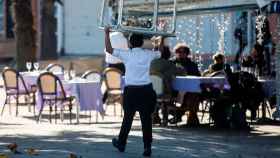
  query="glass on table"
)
[
  {"x": 36, "y": 66},
  {"x": 28, "y": 66},
  {"x": 66, "y": 76},
  {"x": 72, "y": 74}
]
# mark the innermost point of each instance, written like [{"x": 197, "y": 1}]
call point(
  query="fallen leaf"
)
[
  {"x": 32, "y": 151},
  {"x": 73, "y": 155},
  {"x": 12, "y": 147},
  {"x": 3, "y": 156}
]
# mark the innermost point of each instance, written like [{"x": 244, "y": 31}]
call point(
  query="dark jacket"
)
[{"x": 187, "y": 67}]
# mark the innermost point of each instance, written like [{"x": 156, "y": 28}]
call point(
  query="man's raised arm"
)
[{"x": 108, "y": 45}]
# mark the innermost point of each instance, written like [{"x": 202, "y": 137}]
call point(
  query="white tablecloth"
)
[
  {"x": 192, "y": 83},
  {"x": 269, "y": 87}
]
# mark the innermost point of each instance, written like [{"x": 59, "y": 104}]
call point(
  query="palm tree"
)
[{"x": 24, "y": 32}]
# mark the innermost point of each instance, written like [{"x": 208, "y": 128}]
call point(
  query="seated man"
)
[
  {"x": 258, "y": 58},
  {"x": 185, "y": 66},
  {"x": 165, "y": 67},
  {"x": 217, "y": 67},
  {"x": 167, "y": 70},
  {"x": 190, "y": 100}
]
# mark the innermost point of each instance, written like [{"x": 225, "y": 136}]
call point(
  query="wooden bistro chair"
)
[
  {"x": 209, "y": 94},
  {"x": 15, "y": 87},
  {"x": 92, "y": 75},
  {"x": 113, "y": 82},
  {"x": 55, "y": 68},
  {"x": 52, "y": 93}
]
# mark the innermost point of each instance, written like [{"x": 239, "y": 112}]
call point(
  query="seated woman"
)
[{"x": 217, "y": 67}]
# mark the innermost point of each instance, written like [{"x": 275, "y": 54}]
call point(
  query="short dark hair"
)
[
  {"x": 165, "y": 54},
  {"x": 136, "y": 40},
  {"x": 182, "y": 46},
  {"x": 259, "y": 48},
  {"x": 219, "y": 56}
]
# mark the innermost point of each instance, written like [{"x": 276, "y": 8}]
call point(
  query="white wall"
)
[
  {"x": 82, "y": 36},
  {"x": 59, "y": 33}
]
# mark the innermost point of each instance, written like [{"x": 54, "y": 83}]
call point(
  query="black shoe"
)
[
  {"x": 147, "y": 152},
  {"x": 175, "y": 120},
  {"x": 156, "y": 120},
  {"x": 117, "y": 145}
]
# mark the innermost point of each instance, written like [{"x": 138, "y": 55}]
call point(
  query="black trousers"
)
[{"x": 143, "y": 100}]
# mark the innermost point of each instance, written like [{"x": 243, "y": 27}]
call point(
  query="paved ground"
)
[{"x": 94, "y": 140}]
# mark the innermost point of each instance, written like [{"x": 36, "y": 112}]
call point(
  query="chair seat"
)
[
  {"x": 115, "y": 92},
  {"x": 59, "y": 98},
  {"x": 14, "y": 92}
]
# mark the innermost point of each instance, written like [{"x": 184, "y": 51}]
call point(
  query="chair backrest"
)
[
  {"x": 92, "y": 75},
  {"x": 55, "y": 68},
  {"x": 10, "y": 77},
  {"x": 157, "y": 82},
  {"x": 113, "y": 78},
  {"x": 48, "y": 84},
  {"x": 13, "y": 80},
  {"x": 218, "y": 74}
]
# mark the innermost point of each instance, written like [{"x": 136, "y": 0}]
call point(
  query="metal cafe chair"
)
[
  {"x": 55, "y": 68},
  {"x": 15, "y": 87},
  {"x": 113, "y": 82},
  {"x": 52, "y": 93},
  {"x": 92, "y": 75},
  {"x": 164, "y": 101}
]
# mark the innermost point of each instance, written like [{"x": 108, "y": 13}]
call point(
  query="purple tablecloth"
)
[
  {"x": 87, "y": 93},
  {"x": 192, "y": 83}
]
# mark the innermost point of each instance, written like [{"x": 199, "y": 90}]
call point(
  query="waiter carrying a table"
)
[{"x": 138, "y": 92}]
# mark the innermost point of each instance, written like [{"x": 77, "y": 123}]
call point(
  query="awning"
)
[
  {"x": 216, "y": 6},
  {"x": 192, "y": 6}
]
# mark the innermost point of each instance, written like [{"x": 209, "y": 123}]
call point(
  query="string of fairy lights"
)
[{"x": 204, "y": 34}]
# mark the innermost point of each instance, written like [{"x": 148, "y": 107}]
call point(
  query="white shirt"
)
[
  {"x": 137, "y": 63},
  {"x": 117, "y": 41}
]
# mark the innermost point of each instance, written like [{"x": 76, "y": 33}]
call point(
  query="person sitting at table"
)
[
  {"x": 164, "y": 67},
  {"x": 258, "y": 57},
  {"x": 185, "y": 66},
  {"x": 167, "y": 70},
  {"x": 217, "y": 66}
]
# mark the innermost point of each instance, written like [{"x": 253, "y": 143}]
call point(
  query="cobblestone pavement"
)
[{"x": 93, "y": 140}]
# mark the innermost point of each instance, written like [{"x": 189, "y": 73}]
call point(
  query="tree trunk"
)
[
  {"x": 277, "y": 113},
  {"x": 25, "y": 33},
  {"x": 49, "y": 28}
]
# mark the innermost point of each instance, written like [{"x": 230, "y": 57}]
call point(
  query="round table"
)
[{"x": 192, "y": 85}]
